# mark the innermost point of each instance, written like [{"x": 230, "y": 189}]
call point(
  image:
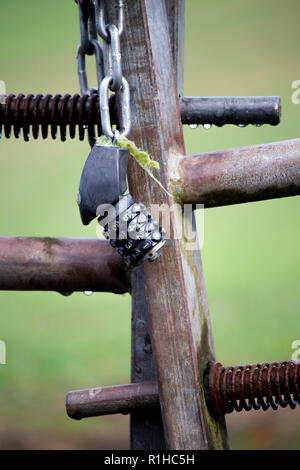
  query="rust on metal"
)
[
  {"x": 252, "y": 386},
  {"x": 111, "y": 400},
  {"x": 240, "y": 175},
  {"x": 40, "y": 114},
  {"x": 227, "y": 389},
  {"x": 64, "y": 265}
]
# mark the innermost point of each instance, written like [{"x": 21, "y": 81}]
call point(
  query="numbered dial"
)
[{"x": 133, "y": 232}]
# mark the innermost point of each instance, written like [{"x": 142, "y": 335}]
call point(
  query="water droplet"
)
[
  {"x": 88, "y": 292},
  {"x": 193, "y": 126},
  {"x": 207, "y": 126},
  {"x": 85, "y": 126},
  {"x": 242, "y": 125},
  {"x": 65, "y": 293},
  {"x": 257, "y": 125}
]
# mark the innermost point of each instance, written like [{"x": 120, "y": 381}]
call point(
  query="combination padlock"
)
[{"x": 127, "y": 223}]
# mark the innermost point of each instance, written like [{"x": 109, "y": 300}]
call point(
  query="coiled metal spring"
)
[
  {"x": 252, "y": 386},
  {"x": 39, "y": 114}
]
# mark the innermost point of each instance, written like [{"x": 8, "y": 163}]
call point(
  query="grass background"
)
[{"x": 251, "y": 252}]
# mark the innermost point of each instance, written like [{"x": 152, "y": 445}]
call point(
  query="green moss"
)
[{"x": 142, "y": 157}]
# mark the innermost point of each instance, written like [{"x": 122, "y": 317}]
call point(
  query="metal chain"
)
[
  {"x": 100, "y": 13},
  {"x": 92, "y": 19},
  {"x": 87, "y": 23},
  {"x": 81, "y": 70}
]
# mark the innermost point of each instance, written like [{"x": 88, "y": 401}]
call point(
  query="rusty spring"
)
[
  {"x": 37, "y": 114},
  {"x": 252, "y": 386},
  {"x": 40, "y": 113}
]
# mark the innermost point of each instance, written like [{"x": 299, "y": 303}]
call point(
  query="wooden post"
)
[
  {"x": 174, "y": 290},
  {"x": 176, "y": 14},
  {"x": 146, "y": 430}
]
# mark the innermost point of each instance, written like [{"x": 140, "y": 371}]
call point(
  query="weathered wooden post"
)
[
  {"x": 174, "y": 290},
  {"x": 174, "y": 378}
]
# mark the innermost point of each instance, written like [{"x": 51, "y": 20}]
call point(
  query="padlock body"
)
[{"x": 103, "y": 180}]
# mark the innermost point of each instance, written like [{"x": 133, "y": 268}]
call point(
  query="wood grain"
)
[{"x": 174, "y": 286}]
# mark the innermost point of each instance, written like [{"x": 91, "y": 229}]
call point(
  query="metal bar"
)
[
  {"x": 240, "y": 175},
  {"x": 64, "y": 265},
  {"x": 237, "y": 110},
  {"x": 146, "y": 429},
  {"x": 252, "y": 386},
  {"x": 174, "y": 288},
  {"x": 46, "y": 113},
  {"x": 111, "y": 400}
]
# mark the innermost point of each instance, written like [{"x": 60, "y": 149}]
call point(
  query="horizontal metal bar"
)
[
  {"x": 226, "y": 389},
  {"x": 240, "y": 175},
  {"x": 111, "y": 400},
  {"x": 238, "y": 110},
  {"x": 44, "y": 113},
  {"x": 64, "y": 265}
]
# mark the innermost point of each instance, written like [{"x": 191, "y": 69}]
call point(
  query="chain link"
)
[
  {"x": 92, "y": 19},
  {"x": 82, "y": 76},
  {"x": 124, "y": 107},
  {"x": 100, "y": 15},
  {"x": 87, "y": 23},
  {"x": 115, "y": 57}
]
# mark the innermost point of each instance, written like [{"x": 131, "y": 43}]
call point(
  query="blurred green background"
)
[{"x": 251, "y": 252}]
